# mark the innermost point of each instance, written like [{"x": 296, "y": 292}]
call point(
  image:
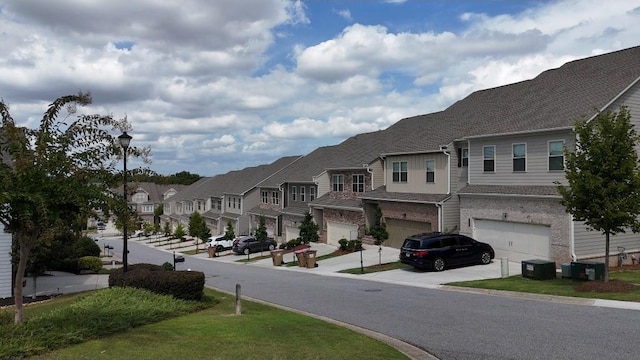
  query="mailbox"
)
[{"x": 177, "y": 259}]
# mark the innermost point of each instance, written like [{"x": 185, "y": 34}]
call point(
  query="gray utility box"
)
[
  {"x": 566, "y": 271},
  {"x": 587, "y": 270},
  {"x": 539, "y": 269}
]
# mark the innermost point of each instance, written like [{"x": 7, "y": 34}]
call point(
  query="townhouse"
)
[
  {"x": 223, "y": 199},
  {"x": 485, "y": 167},
  {"x": 514, "y": 137}
]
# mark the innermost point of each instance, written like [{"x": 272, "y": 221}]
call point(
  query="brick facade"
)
[{"x": 410, "y": 211}]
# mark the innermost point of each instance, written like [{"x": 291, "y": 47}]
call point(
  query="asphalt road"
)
[{"x": 447, "y": 324}]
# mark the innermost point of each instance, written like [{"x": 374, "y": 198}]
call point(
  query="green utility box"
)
[
  {"x": 587, "y": 270},
  {"x": 539, "y": 269}
]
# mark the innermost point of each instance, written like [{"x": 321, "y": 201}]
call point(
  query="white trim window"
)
[
  {"x": 294, "y": 193},
  {"x": 430, "y": 165},
  {"x": 556, "y": 155},
  {"x": 147, "y": 208},
  {"x": 519, "y": 153},
  {"x": 357, "y": 185},
  {"x": 337, "y": 182},
  {"x": 275, "y": 198},
  {"x": 265, "y": 196},
  {"x": 489, "y": 158},
  {"x": 140, "y": 197},
  {"x": 399, "y": 173},
  {"x": 188, "y": 206},
  {"x": 303, "y": 194},
  {"x": 465, "y": 157},
  {"x": 312, "y": 193}
]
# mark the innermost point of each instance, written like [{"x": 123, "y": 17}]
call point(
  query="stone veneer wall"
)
[
  {"x": 348, "y": 184},
  {"x": 521, "y": 210}
]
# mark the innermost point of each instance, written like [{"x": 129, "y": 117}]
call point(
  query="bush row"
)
[{"x": 185, "y": 285}]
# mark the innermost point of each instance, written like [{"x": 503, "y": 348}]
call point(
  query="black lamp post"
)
[{"x": 125, "y": 139}]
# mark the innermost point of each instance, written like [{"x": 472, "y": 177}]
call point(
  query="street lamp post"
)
[{"x": 125, "y": 139}]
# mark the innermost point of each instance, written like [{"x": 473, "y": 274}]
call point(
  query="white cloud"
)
[{"x": 212, "y": 86}]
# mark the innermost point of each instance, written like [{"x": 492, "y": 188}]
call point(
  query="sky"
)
[{"x": 215, "y": 86}]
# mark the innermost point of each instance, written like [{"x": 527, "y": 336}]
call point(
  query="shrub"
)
[
  {"x": 68, "y": 265},
  {"x": 167, "y": 266},
  {"x": 86, "y": 246},
  {"x": 185, "y": 285},
  {"x": 92, "y": 263},
  {"x": 293, "y": 243},
  {"x": 350, "y": 245}
]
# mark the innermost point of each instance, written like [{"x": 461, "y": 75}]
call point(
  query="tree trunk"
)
[
  {"x": 17, "y": 286},
  {"x": 606, "y": 256}
]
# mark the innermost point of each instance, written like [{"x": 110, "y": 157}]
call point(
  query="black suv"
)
[
  {"x": 437, "y": 251},
  {"x": 249, "y": 244}
]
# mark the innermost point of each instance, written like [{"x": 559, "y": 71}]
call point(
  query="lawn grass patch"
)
[
  {"x": 261, "y": 332},
  {"x": 95, "y": 314},
  {"x": 558, "y": 286}
]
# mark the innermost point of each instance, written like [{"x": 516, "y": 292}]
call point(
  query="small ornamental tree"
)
[
  {"x": 167, "y": 228},
  {"x": 261, "y": 233},
  {"x": 603, "y": 176},
  {"x": 229, "y": 233},
  {"x": 308, "y": 229},
  {"x": 379, "y": 232},
  {"x": 157, "y": 212},
  {"x": 179, "y": 232},
  {"x": 198, "y": 227}
]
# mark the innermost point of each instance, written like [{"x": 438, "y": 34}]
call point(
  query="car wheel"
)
[
  {"x": 485, "y": 257},
  {"x": 438, "y": 264},
  {"x": 271, "y": 247},
  {"x": 219, "y": 248},
  {"x": 246, "y": 251}
]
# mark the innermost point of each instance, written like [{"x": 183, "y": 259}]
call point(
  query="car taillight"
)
[{"x": 422, "y": 253}]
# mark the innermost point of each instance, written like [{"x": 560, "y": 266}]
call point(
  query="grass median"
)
[{"x": 108, "y": 324}]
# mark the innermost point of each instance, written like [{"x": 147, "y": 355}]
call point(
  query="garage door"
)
[
  {"x": 291, "y": 232},
  {"x": 516, "y": 241},
  {"x": 337, "y": 231},
  {"x": 399, "y": 230}
]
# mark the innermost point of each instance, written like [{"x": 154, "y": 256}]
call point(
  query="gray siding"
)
[
  {"x": 537, "y": 165},
  {"x": 416, "y": 174},
  {"x": 5, "y": 263},
  {"x": 591, "y": 244},
  {"x": 324, "y": 183},
  {"x": 451, "y": 207},
  {"x": 377, "y": 178}
]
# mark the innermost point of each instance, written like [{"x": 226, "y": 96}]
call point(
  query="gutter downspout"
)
[
  {"x": 572, "y": 240},
  {"x": 444, "y": 151},
  {"x": 439, "y": 206},
  {"x": 370, "y": 172}
]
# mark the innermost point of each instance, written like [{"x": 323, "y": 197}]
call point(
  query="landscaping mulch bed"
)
[
  {"x": 26, "y": 300},
  {"x": 616, "y": 286}
]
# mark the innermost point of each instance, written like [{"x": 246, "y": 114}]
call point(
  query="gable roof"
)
[{"x": 554, "y": 99}]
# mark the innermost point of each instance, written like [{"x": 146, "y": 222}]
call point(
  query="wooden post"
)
[{"x": 238, "y": 303}]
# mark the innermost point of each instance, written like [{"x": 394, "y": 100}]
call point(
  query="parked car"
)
[
  {"x": 249, "y": 244},
  {"x": 101, "y": 226},
  {"x": 220, "y": 242},
  {"x": 437, "y": 251}
]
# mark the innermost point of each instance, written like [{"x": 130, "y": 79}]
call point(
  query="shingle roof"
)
[
  {"x": 326, "y": 202},
  {"x": 264, "y": 212},
  {"x": 382, "y": 194},
  {"x": 193, "y": 191},
  {"x": 524, "y": 190},
  {"x": 555, "y": 98}
]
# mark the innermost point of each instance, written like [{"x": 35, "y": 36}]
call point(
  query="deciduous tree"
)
[
  {"x": 54, "y": 173},
  {"x": 603, "y": 175}
]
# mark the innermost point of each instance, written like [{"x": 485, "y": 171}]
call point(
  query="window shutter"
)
[{"x": 459, "y": 157}]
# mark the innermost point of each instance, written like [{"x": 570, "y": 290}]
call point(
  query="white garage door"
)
[
  {"x": 337, "y": 231},
  {"x": 516, "y": 241},
  {"x": 291, "y": 232}
]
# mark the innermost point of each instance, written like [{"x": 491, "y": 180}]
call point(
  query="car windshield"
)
[{"x": 411, "y": 244}]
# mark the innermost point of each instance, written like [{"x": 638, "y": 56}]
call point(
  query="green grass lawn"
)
[
  {"x": 559, "y": 286},
  {"x": 105, "y": 324}
]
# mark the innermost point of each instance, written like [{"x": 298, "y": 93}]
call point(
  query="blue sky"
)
[{"x": 214, "y": 86}]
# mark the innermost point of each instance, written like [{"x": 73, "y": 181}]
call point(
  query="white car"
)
[{"x": 220, "y": 242}]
